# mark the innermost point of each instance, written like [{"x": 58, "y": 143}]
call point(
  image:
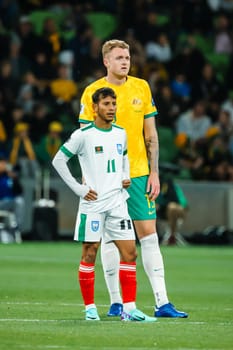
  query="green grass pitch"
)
[{"x": 41, "y": 306}]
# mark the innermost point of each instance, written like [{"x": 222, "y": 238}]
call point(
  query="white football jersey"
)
[{"x": 101, "y": 154}]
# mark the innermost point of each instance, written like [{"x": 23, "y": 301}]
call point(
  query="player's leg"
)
[
  {"x": 142, "y": 211},
  {"x": 175, "y": 215},
  {"x": 111, "y": 261},
  {"x": 120, "y": 229},
  {"x": 88, "y": 230},
  {"x": 86, "y": 277}
]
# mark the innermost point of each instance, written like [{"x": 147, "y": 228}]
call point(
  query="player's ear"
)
[
  {"x": 105, "y": 61},
  {"x": 94, "y": 106}
]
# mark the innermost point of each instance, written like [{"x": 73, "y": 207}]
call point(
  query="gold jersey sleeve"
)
[{"x": 134, "y": 104}]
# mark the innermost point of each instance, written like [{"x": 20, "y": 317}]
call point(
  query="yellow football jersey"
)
[{"x": 134, "y": 104}]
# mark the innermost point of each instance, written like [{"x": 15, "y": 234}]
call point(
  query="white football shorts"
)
[{"x": 114, "y": 224}]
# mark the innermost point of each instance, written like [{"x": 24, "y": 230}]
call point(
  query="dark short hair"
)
[{"x": 102, "y": 93}]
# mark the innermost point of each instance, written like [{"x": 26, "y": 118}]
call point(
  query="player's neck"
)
[
  {"x": 112, "y": 79},
  {"x": 103, "y": 125}
]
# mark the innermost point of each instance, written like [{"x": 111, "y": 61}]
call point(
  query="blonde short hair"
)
[{"x": 112, "y": 44}]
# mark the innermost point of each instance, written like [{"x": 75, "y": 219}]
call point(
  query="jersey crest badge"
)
[
  {"x": 136, "y": 101},
  {"x": 119, "y": 148},
  {"x": 95, "y": 225}
]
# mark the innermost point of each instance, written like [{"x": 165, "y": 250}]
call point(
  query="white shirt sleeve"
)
[{"x": 60, "y": 164}]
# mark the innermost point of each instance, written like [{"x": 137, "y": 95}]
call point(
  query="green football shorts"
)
[{"x": 139, "y": 205}]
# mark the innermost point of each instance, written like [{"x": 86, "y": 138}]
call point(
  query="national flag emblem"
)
[
  {"x": 119, "y": 148},
  {"x": 99, "y": 149},
  {"x": 95, "y": 225}
]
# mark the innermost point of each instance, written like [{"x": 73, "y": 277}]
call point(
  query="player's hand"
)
[
  {"x": 153, "y": 186},
  {"x": 91, "y": 195},
  {"x": 126, "y": 183}
]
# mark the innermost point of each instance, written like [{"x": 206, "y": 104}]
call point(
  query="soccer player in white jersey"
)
[
  {"x": 103, "y": 214},
  {"x": 136, "y": 113}
]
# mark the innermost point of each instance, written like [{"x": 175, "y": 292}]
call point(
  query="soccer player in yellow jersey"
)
[{"x": 135, "y": 113}]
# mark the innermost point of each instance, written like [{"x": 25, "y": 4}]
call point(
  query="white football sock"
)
[
  {"x": 111, "y": 262},
  {"x": 127, "y": 307},
  {"x": 153, "y": 265}
]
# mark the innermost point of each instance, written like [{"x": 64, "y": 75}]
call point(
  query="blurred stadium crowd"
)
[{"x": 49, "y": 52}]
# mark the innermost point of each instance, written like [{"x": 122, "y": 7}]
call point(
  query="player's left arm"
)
[{"x": 152, "y": 148}]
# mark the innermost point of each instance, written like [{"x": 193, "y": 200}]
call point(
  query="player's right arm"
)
[
  {"x": 60, "y": 164},
  {"x": 67, "y": 151}
]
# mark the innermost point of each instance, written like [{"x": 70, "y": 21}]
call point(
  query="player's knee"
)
[
  {"x": 89, "y": 252},
  {"x": 130, "y": 256}
]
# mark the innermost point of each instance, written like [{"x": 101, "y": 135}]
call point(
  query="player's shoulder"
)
[
  {"x": 118, "y": 129},
  {"x": 137, "y": 81},
  {"x": 86, "y": 127},
  {"x": 114, "y": 126}
]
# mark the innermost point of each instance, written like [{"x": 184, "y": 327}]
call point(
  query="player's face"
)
[
  {"x": 117, "y": 62},
  {"x": 105, "y": 110}
]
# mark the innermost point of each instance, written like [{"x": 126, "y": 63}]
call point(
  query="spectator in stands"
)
[
  {"x": 41, "y": 66},
  {"x": 223, "y": 36},
  {"x": 21, "y": 152},
  {"x": 194, "y": 122},
  {"x": 218, "y": 159},
  {"x": 49, "y": 144},
  {"x": 8, "y": 84},
  {"x": 147, "y": 28},
  {"x": 39, "y": 121},
  {"x": 3, "y": 138},
  {"x": 208, "y": 87},
  {"x": 31, "y": 90},
  {"x": 63, "y": 89},
  {"x": 181, "y": 87},
  {"x": 159, "y": 49},
  {"x": 80, "y": 45},
  {"x": 227, "y": 104},
  {"x": 169, "y": 107},
  {"x": 172, "y": 206},
  {"x": 187, "y": 59},
  {"x": 51, "y": 35},
  {"x": 29, "y": 40},
  {"x": 19, "y": 63},
  {"x": 189, "y": 157},
  {"x": 11, "y": 194},
  {"x": 225, "y": 125},
  {"x": 15, "y": 115}
]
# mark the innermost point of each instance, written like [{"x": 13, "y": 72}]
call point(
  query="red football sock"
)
[
  {"x": 128, "y": 281},
  {"x": 86, "y": 277}
]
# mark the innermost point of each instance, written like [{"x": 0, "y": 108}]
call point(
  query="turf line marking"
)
[
  {"x": 191, "y": 323},
  {"x": 99, "y": 305},
  {"x": 44, "y": 346},
  {"x": 37, "y": 259}
]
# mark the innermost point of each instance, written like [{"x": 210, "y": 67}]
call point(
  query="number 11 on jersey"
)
[{"x": 111, "y": 168}]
